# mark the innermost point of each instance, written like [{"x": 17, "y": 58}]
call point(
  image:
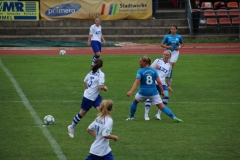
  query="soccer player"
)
[
  {"x": 94, "y": 82},
  {"x": 94, "y": 39},
  {"x": 146, "y": 76},
  {"x": 174, "y": 42},
  {"x": 163, "y": 68},
  {"x": 101, "y": 129}
]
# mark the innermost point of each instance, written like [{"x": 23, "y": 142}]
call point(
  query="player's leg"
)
[
  {"x": 133, "y": 107},
  {"x": 173, "y": 60},
  {"x": 158, "y": 101},
  {"x": 147, "y": 108},
  {"x": 165, "y": 101},
  {"x": 97, "y": 102},
  {"x": 96, "y": 46},
  {"x": 85, "y": 106}
]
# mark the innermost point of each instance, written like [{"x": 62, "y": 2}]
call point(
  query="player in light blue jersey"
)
[
  {"x": 163, "y": 67},
  {"x": 174, "y": 42},
  {"x": 101, "y": 130},
  {"x": 94, "y": 39},
  {"x": 147, "y": 76},
  {"x": 94, "y": 82}
]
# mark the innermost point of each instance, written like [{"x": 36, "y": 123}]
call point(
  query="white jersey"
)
[
  {"x": 163, "y": 69},
  {"x": 93, "y": 80},
  {"x": 103, "y": 127},
  {"x": 96, "y": 32}
]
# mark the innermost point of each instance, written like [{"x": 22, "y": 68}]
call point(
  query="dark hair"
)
[
  {"x": 98, "y": 64},
  {"x": 169, "y": 32},
  {"x": 146, "y": 59}
]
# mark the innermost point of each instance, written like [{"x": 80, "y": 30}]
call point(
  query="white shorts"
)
[
  {"x": 174, "y": 56},
  {"x": 154, "y": 99}
]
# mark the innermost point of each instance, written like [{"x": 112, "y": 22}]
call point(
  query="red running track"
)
[{"x": 219, "y": 48}]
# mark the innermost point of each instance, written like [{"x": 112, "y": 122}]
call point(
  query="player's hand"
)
[
  {"x": 156, "y": 67},
  {"x": 104, "y": 42},
  {"x": 170, "y": 89},
  {"x": 129, "y": 94},
  {"x": 88, "y": 43},
  {"x": 115, "y": 138},
  {"x": 170, "y": 47},
  {"x": 105, "y": 88}
]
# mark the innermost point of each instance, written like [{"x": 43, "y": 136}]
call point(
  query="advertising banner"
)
[
  {"x": 90, "y": 9},
  {"x": 19, "y": 11}
]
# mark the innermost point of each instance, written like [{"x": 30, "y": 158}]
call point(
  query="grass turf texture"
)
[{"x": 206, "y": 96}]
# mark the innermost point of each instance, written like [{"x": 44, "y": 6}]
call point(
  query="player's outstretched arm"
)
[
  {"x": 134, "y": 86},
  {"x": 102, "y": 87},
  {"x": 114, "y": 137}
]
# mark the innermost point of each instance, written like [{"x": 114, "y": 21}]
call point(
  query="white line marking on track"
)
[{"x": 33, "y": 113}]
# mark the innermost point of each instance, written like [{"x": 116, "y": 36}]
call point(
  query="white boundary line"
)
[{"x": 33, "y": 113}]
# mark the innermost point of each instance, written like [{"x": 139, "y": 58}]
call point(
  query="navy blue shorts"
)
[
  {"x": 108, "y": 156},
  {"x": 87, "y": 103},
  {"x": 96, "y": 46}
]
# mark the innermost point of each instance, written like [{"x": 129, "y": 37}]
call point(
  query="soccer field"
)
[{"x": 206, "y": 97}]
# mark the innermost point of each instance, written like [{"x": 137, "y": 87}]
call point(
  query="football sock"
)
[
  {"x": 159, "y": 112},
  {"x": 147, "y": 106},
  {"x": 168, "y": 112},
  {"x": 94, "y": 59},
  {"x": 76, "y": 119},
  {"x": 133, "y": 109},
  {"x": 165, "y": 100}
]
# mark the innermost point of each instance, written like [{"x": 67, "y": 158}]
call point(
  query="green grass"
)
[
  {"x": 195, "y": 40},
  {"x": 206, "y": 96}
]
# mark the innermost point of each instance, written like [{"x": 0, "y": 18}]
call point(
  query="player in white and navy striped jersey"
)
[
  {"x": 94, "y": 39},
  {"x": 101, "y": 129},
  {"x": 94, "y": 82},
  {"x": 163, "y": 68}
]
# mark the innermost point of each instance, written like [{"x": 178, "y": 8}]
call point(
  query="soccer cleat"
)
[
  {"x": 146, "y": 118},
  {"x": 158, "y": 117},
  {"x": 177, "y": 120},
  {"x": 129, "y": 119},
  {"x": 70, "y": 131}
]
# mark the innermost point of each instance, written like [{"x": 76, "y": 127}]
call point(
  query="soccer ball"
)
[
  {"x": 49, "y": 119},
  {"x": 62, "y": 52}
]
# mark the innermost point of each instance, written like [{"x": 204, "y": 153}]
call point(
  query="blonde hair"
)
[
  {"x": 146, "y": 59},
  {"x": 105, "y": 108},
  {"x": 168, "y": 51}
]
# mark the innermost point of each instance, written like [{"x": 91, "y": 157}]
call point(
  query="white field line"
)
[
  {"x": 228, "y": 103},
  {"x": 33, "y": 113}
]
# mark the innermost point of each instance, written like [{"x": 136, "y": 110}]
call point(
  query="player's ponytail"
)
[
  {"x": 98, "y": 64},
  {"x": 105, "y": 108},
  {"x": 147, "y": 60}
]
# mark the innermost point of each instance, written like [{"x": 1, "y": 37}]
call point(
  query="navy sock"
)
[
  {"x": 168, "y": 112},
  {"x": 76, "y": 119},
  {"x": 94, "y": 59},
  {"x": 133, "y": 109}
]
